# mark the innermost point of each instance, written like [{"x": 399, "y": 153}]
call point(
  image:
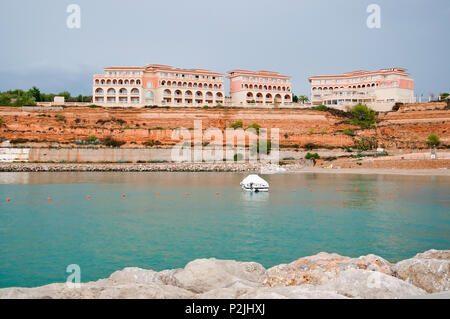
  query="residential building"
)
[
  {"x": 380, "y": 89},
  {"x": 158, "y": 85},
  {"x": 261, "y": 88}
]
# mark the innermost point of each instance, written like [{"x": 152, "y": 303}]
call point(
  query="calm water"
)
[{"x": 39, "y": 238}]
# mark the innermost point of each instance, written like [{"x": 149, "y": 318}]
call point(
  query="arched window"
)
[
  {"x": 188, "y": 93},
  {"x": 198, "y": 94},
  {"x": 149, "y": 84},
  {"x": 99, "y": 91},
  {"x": 123, "y": 91},
  {"x": 111, "y": 91},
  {"x": 149, "y": 94},
  {"x": 249, "y": 94},
  {"x": 287, "y": 97},
  {"x": 138, "y": 82},
  {"x": 167, "y": 92},
  {"x": 134, "y": 91},
  {"x": 268, "y": 96}
]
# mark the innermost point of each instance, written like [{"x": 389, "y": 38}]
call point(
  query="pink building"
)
[
  {"x": 159, "y": 85},
  {"x": 378, "y": 89},
  {"x": 248, "y": 88}
]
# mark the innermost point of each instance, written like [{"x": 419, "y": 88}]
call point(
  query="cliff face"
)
[
  {"x": 320, "y": 276},
  {"x": 402, "y": 129}
]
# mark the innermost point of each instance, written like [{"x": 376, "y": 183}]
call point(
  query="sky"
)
[{"x": 300, "y": 38}]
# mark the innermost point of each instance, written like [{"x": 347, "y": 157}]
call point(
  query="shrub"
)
[
  {"x": 205, "y": 106},
  {"x": 237, "y": 125},
  {"x": 110, "y": 142},
  {"x": 19, "y": 140},
  {"x": 366, "y": 143},
  {"x": 60, "y": 117},
  {"x": 433, "y": 140},
  {"x": 311, "y": 131},
  {"x": 255, "y": 126},
  {"x": 158, "y": 128},
  {"x": 93, "y": 106},
  {"x": 310, "y": 146},
  {"x": 2, "y": 121},
  {"x": 92, "y": 138},
  {"x": 348, "y": 132},
  {"x": 151, "y": 143},
  {"x": 312, "y": 156},
  {"x": 238, "y": 157},
  {"x": 322, "y": 108},
  {"x": 363, "y": 116},
  {"x": 323, "y": 132},
  {"x": 396, "y": 106}
]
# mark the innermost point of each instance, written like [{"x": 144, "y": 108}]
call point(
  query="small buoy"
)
[
  {"x": 337, "y": 189},
  {"x": 187, "y": 194},
  {"x": 396, "y": 187},
  {"x": 293, "y": 190},
  {"x": 435, "y": 187},
  {"x": 356, "y": 189},
  {"x": 157, "y": 194},
  {"x": 123, "y": 195},
  {"x": 89, "y": 196},
  {"x": 9, "y": 199},
  {"x": 376, "y": 188},
  {"x": 49, "y": 199},
  {"x": 417, "y": 187},
  {"x": 217, "y": 193}
]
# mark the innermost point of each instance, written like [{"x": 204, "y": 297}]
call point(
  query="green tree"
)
[
  {"x": 237, "y": 125},
  {"x": 294, "y": 98},
  {"x": 303, "y": 99},
  {"x": 66, "y": 95},
  {"x": 444, "y": 95},
  {"x": 433, "y": 140},
  {"x": 35, "y": 93},
  {"x": 255, "y": 126},
  {"x": 362, "y": 116}
]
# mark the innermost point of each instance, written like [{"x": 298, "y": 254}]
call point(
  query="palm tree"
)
[{"x": 303, "y": 99}]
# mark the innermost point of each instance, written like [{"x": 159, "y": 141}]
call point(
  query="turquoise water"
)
[{"x": 40, "y": 238}]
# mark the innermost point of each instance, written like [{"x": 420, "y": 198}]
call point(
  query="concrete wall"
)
[{"x": 8, "y": 154}]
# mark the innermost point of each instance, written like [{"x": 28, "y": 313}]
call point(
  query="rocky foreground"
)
[{"x": 321, "y": 276}]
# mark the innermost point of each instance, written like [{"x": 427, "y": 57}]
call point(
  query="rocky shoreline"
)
[
  {"x": 141, "y": 167},
  {"x": 322, "y": 276}
]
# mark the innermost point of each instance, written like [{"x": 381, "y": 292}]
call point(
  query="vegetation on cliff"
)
[
  {"x": 433, "y": 140},
  {"x": 363, "y": 116},
  {"x": 29, "y": 98}
]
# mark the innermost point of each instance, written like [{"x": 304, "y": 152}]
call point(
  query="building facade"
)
[
  {"x": 380, "y": 89},
  {"x": 261, "y": 88},
  {"x": 158, "y": 85}
]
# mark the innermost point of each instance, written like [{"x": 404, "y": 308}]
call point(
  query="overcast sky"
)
[{"x": 299, "y": 38}]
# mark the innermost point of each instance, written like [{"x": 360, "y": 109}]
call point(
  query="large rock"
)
[
  {"x": 105, "y": 290},
  {"x": 203, "y": 275},
  {"x": 322, "y": 267},
  {"x": 429, "y": 270},
  {"x": 291, "y": 292},
  {"x": 358, "y": 283}
]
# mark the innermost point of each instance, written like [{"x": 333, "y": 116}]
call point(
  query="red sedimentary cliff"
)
[{"x": 402, "y": 129}]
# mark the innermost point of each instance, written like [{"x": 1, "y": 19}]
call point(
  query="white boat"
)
[{"x": 254, "y": 183}]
